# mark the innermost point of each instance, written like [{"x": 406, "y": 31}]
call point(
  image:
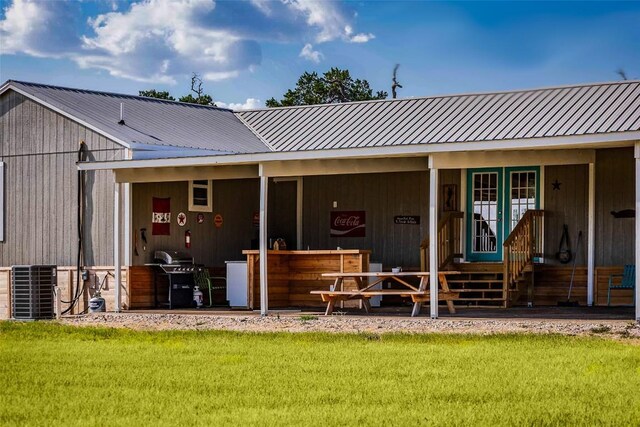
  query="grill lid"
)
[{"x": 173, "y": 257}]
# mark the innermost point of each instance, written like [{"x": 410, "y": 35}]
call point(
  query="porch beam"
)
[
  {"x": 470, "y": 159},
  {"x": 343, "y": 166},
  {"x": 591, "y": 237},
  {"x": 169, "y": 174},
  {"x": 264, "y": 299},
  {"x": 433, "y": 239},
  {"x": 637, "y": 219},
  {"x": 117, "y": 260}
]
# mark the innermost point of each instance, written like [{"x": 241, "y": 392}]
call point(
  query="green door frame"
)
[
  {"x": 504, "y": 209},
  {"x": 477, "y": 256}
]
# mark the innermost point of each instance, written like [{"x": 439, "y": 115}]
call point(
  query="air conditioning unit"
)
[{"x": 32, "y": 291}]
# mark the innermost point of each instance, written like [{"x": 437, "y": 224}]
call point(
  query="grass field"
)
[{"x": 55, "y": 375}]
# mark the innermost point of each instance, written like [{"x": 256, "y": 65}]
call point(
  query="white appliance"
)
[
  {"x": 375, "y": 267},
  {"x": 237, "y": 288}
]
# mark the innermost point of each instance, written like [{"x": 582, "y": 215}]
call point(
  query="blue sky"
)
[{"x": 249, "y": 51}]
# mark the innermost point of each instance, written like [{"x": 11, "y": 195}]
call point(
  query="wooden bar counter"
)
[{"x": 293, "y": 274}]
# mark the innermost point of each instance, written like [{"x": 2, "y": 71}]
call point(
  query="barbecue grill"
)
[{"x": 179, "y": 269}]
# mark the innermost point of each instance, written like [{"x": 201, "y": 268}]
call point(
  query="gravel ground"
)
[{"x": 354, "y": 324}]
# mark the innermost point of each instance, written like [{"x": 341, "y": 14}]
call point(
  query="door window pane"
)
[
  {"x": 523, "y": 195},
  {"x": 485, "y": 212}
]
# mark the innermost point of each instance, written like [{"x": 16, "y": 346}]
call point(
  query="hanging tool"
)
[{"x": 568, "y": 302}]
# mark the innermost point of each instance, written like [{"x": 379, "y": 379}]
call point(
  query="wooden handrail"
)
[
  {"x": 449, "y": 240},
  {"x": 522, "y": 246}
]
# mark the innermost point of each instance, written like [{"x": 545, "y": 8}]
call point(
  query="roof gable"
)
[{"x": 149, "y": 124}]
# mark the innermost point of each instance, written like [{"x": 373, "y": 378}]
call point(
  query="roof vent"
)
[{"x": 121, "y": 122}]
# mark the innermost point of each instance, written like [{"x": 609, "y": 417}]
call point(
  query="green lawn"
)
[{"x": 55, "y": 375}]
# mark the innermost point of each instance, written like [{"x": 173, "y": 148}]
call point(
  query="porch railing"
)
[
  {"x": 449, "y": 241},
  {"x": 523, "y": 245}
]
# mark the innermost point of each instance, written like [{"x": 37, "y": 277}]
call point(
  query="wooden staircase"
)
[
  {"x": 489, "y": 284},
  {"x": 520, "y": 251},
  {"x": 479, "y": 284}
]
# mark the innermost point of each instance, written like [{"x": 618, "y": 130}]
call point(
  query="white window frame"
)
[
  {"x": 200, "y": 208},
  {"x": 1, "y": 201}
]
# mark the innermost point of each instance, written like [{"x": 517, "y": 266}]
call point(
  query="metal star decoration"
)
[{"x": 556, "y": 184}]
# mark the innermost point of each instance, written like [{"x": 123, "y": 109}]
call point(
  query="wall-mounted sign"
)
[
  {"x": 407, "y": 219},
  {"x": 256, "y": 219},
  {"x": 161, "y": 218},
  {"x": 182, "y": 219},
  {"x": 217, "y": 220},
  {"x": 200, "y": 218},
  {"x": 348, "y": 223}
]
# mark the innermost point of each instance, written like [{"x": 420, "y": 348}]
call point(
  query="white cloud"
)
[
  {"x": 27, "y": 28},
  {"x": 163, "y": 41},
  {"x": 249, "y": 104},
  {"x": 362, "y": 38},
  {"x": 308, "y": 53},
  {"x": 222, "y": 75},
  {"x": 328, "y": 17}
]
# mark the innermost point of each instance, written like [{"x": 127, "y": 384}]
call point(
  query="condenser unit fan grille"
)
[{"x": 32, "y": 291}]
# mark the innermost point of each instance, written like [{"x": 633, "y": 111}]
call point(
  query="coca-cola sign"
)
[{"x": 347, "y": 223}]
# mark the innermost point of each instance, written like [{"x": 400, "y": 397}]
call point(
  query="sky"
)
[{"x": 249, "y": 51}]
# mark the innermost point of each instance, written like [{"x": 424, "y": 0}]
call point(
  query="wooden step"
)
[{"x": 474, "y": 281}]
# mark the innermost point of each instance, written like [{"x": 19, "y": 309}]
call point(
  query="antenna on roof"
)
[{"x": 121, "y": 122}]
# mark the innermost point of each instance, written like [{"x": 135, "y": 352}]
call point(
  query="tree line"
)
[{"x": 334, "y": 86}]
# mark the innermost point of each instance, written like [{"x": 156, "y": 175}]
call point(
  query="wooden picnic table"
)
[{"x": 364, "y": 289}]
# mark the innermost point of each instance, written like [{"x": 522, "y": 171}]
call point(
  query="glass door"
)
[
  {"x": 484, "y": 218},
  {"x": 521, "y": 194}
]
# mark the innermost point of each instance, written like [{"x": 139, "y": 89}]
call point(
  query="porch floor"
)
[{"x": 623, "y": 314}]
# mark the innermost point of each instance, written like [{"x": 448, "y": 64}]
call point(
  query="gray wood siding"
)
[
  {"x": 568, "y": 205},
  {"x": 615, "y": 191},
  {"x": 281, "y": 214},
  {"x": 382, "y": 196},
  {"x": 235, "y": 200},
  {"x": 39, "y": 148}
]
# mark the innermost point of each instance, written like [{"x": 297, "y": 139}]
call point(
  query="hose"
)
[{"x": 82, "y": 156}]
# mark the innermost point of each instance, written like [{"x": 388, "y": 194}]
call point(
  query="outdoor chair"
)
[
  {"x": 628, "y": 281},
  {"x": 204, "y": 281}
]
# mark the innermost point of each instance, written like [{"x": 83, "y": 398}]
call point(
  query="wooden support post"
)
[
  {"x": 433, "y": 237},
  {"x": 117, "y": 260},
  {"x": 264, "y": 298},
  {"x": 591, "y": 238},
  {"x": 637, "y": 219}
]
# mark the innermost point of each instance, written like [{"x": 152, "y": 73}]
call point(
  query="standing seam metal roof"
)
[
  {"x": 559, "y": 111},
  {"x": 151, "y": 122}
]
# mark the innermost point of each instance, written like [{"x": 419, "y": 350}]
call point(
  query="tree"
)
[
  {"x": 196, "y": 87},
  {"x": 334, "y": 86},
  {"x": 200, "y": 98},
  {"x": 152, "y": 93}
]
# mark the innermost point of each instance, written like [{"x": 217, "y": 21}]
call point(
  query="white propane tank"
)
[
  {"x": 97, "y": 304},
  {"x": 198, "y": 297}
]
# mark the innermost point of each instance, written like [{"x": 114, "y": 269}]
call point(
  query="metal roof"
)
[
  {"x": 150, "y": 124},
  {"x": 525, "y": 114}
]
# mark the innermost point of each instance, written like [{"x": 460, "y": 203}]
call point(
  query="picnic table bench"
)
[{"x": 364, "y": 292}]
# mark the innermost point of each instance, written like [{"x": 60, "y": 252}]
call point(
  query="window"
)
[
  {"x": 1, "y": 201},
  {"x": 200, "y": 199}
]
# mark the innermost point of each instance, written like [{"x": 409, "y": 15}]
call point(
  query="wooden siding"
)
[
  {"x": 39, "y": 147},
  {"x": 618, "y": 296},
  {"x": 281, "y": 215},
  {"x": 568, "y": 205},
  {"x": 382, "y": 196},
  {"x": 615, "y": 191},
  {"x": 236, "y": 200},
  {"x": 294, "y": 274}
]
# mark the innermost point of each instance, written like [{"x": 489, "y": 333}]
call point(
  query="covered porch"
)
[{"x": 527, "y": 271}]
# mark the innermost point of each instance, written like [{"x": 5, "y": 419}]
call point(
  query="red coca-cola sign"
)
[{"x": 348, "y": 224}]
